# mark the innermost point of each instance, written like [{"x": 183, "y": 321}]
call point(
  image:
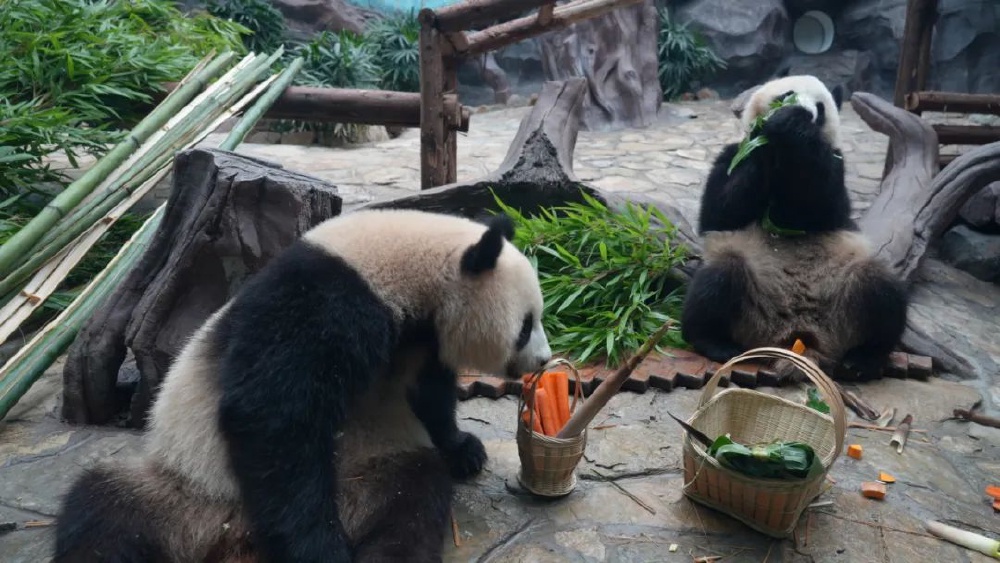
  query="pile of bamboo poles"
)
[{"x": 41, "y": 255}]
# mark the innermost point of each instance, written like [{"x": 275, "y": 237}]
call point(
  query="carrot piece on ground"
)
[
  {"x": 560, "y": 386},
  {"x": 873, "y": 489},
  {"x": 798, "y": 347},
  {"x": 885, "y": 477},
  {"x": 993, "y": 491},
  {"x": 854, "y": 450},
  {"x": 546, "y": 408},
  {"x": 996, "y": 505}
]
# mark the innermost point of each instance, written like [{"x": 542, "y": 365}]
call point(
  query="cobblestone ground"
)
[{"x": 628, "y": 504}]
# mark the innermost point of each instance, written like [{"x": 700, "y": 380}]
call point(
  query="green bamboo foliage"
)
[
  {"x": 24, "y": 369},
  {"x": 25, "y": 240}
]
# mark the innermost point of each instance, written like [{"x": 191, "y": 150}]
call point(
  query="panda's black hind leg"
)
[
  {"x": 714, "y": 300},
  {"x": 435, "y": 401},
  {"x": 876, "y": 303},
  {"x": 413, "y": 497}
]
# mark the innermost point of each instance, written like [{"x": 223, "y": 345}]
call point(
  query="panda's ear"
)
[
  {"x": 482, "y": 256},
  {"x": 500, "y": 219},
  {"x": 838, "y": 95}
]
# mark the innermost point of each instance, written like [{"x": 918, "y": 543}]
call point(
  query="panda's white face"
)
[{"x": 810, "y": 93}]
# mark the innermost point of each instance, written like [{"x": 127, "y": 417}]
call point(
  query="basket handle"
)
[
  {"x": 826, "y": 387},
  {"x": 577, "y": 391}
]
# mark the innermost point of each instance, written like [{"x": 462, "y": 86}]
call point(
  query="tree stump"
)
[
  {"x": 617, "y": 54},
  {"x": 227, "y": 216}
]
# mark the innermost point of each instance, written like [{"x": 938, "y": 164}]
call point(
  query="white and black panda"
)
[
  {"x": 312, "y": 418},
  {"x": 782, "y": 258}
]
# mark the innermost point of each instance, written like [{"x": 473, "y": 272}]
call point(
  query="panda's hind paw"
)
[{"x": 467, "y": 457}]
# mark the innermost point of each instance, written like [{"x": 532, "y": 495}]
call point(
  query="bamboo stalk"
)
[
  {"x": 178, "y": 138},
  {"x": 48, "y": 278},
  {"x": 239, "y": 132},
  {"x": 25, "y": 239},
  {"x": 607, "y": 389},
  {"x": 24, "y": 369},
  {"x": 152, "y": 151}
]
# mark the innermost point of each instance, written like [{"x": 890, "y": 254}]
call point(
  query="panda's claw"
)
[{"x": 467, "y": 457}]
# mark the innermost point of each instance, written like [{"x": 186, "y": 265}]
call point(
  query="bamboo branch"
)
[
  {"x": 25, "y": 239},
  {"x": 586, "y": 412},
  {"x": 239, "y": 132}
]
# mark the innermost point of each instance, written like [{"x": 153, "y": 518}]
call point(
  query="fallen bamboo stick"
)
[{"x": 586, "y": 412}]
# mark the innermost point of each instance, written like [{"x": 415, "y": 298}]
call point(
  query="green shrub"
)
[
  {"x": 606, "y": 276},
  {"x": 396, "y": 40},
  {"x": 76, "y": 73},
  {"x": 339, "y": 60},
  {"x": 265, "y": 22},
  {"x": 683, "y": 57}
]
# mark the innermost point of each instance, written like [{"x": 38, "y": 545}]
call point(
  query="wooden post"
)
[
  {"x": 909, "y": 49},
  {"x": 451, "y": 136},
  {"x": 929, "y": 19},
  {"x": 433, "y": 148}
]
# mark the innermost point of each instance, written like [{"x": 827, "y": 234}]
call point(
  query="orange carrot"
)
[
  {"x": 560, "y": 386},
  {"x": 546, "y": 408},
  {"x": 536, "y": 425},
  {"x": 799, "y": 348},
  {"x": 993, "y": 491}
]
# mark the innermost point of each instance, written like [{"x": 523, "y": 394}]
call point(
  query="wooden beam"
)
[
  {"x": 345, "y": 105},
  {"x": 545, "y": 13},
  {"x": 924, "y": 52},
  {"x": 498, "y": 36},
  {"x": 433, "y": 151},
  {"x": 919, "y": 102},
  {"x": 469, "y": 14},
  {"x": 967, "y": 134},
  {"x": 917, "y": 18}
]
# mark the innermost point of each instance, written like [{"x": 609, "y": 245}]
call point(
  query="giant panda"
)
[
  {"x": 312, "y": 417},
  {"x": 783, "y": 260}
]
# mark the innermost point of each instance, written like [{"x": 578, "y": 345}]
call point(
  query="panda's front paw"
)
[
  {"x": 866, "y": 366},
  {"x": 790, "y": 123},
  {"x": 466, "y": 457}
]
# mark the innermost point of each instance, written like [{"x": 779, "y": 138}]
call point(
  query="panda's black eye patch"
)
[
  {"x": 782, "y": 97},
  {"x": 820, "y": 113},
  {"x": 525, "y": 334}
]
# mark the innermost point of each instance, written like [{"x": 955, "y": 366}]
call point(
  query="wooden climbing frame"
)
[
  {"x": 446, "y": 37},
  {"x": 911, "y": 84}
]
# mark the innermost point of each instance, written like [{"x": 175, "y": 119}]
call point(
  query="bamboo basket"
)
[
  {"x": 770, "y": 506},
  {"x": 548, "y": 464}
]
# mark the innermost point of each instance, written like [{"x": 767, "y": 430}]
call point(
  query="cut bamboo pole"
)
[
  {"x": 24, "y": 369},
  {"x": 281, "y": 82},
  {"x": 25, "y": 239},
  {"x": 54, "y": 270},
  {"x": 609, "y": 387}
]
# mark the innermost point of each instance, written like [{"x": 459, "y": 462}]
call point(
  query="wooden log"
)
[
  {"x": 433, "y": 150},
  {"x": 545, "y": 13},
  {"x": 450, "y": 137},
  {"x": 967, "y": 134},
  {"x": 917, "y": 12},
  {"x": 347, "y": 105},
  {"x": 493, "y": 75},
  {"x": 953, "y": 102},
  {"x": 504, "y": 34},
  {"x": 924, "y": 49},
  {"x": 227, "y": 216},
  {"x": 469, "y": 14}
]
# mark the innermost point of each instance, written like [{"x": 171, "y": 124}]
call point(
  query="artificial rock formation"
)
[
  {"x": 227, "y": 216},
  {"x": 616, "y": 53}
]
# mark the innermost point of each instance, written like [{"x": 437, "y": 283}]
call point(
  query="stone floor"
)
[{"x": 633, "y": 446}]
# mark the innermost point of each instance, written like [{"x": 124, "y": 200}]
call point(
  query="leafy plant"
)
[
  {"x": 776, "y": 460},
  {"x": 753, "y": 139},
  {"x": 683, "y": 57},
  {"x": 265, "y": 22},
  {"x": 396, "y": 40},
  {"x": 76, "y": 73},
  {"x": 814, "y": 401},
  {"x": 339, "y": 60},
  {"x": 606, "y": 276}
]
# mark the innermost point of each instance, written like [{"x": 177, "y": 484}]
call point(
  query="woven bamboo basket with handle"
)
[
  {"x": 770, "y": 506},
  {"x": 548, "y": 464}
]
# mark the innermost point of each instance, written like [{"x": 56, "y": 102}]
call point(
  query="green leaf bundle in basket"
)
[{"x": 770, "y": 456}]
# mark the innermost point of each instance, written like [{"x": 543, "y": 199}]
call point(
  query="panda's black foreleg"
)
[
  {"x": 715, "y": 299},
  {"x": 435, "y": 402},
  {"x": 875, "y": 305},
  {"x": 734, "y": 200}
]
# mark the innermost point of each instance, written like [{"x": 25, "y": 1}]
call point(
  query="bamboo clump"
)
[{"x": 124, "y": 186}]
